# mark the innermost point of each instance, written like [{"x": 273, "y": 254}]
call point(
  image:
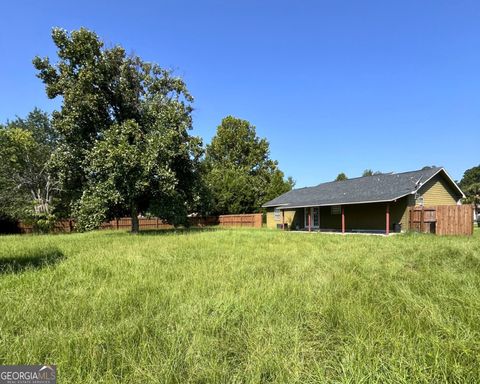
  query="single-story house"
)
[{"x": 378, "y": 203}]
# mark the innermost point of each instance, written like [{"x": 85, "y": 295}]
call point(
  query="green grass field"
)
[{"x": 242, "y": 306}]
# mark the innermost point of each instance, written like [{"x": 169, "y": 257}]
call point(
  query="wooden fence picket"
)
[{"x": 445, "y": 219}]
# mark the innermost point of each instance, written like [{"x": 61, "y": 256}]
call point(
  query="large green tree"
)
[
  {"x": 27, "y": 187},
  {"x": 470, "y": 176},
  {"x": 238, "y": 170},
  {"x": 470, "y": 185},
  {"x": 123, "y": 126}
]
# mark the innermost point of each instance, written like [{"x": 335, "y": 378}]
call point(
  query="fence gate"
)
[{"x": 442, "y": 219}]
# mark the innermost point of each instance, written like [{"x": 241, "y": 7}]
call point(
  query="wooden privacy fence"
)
[
  {"x": 143, "y": 223},
  {"x": 248, "y": 220},
  {"x": 253, "y": 220},
  {"x": 156, "y": 223},
  {"x": 60, "y": 226},
  {"x": 442, "y": 219}
]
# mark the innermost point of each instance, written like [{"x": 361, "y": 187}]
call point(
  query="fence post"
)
[
  {"x": 422, "y": 219},
  {"x": 410, "y": 210},
  {"x": 470, "y": 213}
]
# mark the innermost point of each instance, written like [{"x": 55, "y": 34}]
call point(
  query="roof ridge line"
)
[{"x": 362, "y": 177}]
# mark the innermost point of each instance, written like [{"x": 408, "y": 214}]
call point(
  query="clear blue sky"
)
[{"x": 334, "y": 85}]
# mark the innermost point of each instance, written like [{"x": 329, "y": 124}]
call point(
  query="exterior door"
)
[{"x": 314, "y": 216}]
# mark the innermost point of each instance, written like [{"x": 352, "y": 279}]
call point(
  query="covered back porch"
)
[{"x": 383, "y": 218}]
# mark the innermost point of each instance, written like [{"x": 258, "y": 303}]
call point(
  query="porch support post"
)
[
  {"x": 318, "y": 219},
  {"x": 283, "y": 220},
  {"x": 309, "y": 219},
  {"x": 343, "y": 219},
  {"x": 387, "y": 220}
]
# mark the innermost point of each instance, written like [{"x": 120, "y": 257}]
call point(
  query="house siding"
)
[
  {"x": 292, "y": 217},
  {"x": 438, "y": 192},
  {"x": 401, "y": 212}
]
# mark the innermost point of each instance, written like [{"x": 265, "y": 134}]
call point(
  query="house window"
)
[
  {"x": 335, "y": 210},
  {"x": 277, "y": 214}
]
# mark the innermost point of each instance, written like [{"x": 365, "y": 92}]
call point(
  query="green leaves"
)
[
  {"x": 341, "y": 176},
  {"x": 123, "y": 127},
  {"x": 470, "y": 185},
  {"x": 239, "y": 172},
  {"x": 27, "y": 188}
]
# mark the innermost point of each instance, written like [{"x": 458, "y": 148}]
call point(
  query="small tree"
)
[
  {"x": 369, "y": 172},
  {"x": 341, "y": 176}
]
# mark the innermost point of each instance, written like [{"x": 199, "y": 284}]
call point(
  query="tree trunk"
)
[{"x": 135, "y": 225}]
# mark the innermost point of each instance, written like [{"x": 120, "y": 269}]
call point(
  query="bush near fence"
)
[{"x": 125, "y": 223}]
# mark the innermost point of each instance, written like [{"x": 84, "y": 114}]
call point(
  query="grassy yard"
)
[{"x": 242, "y": 306}]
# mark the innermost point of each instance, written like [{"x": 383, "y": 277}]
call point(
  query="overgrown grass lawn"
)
[{"x": 242, "y": 306}]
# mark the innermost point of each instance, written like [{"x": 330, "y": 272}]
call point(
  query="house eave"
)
[{"x": 287, "y": 206}]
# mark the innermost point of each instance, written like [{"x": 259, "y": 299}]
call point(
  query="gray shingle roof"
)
[{"x": 368, "y": 189}]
